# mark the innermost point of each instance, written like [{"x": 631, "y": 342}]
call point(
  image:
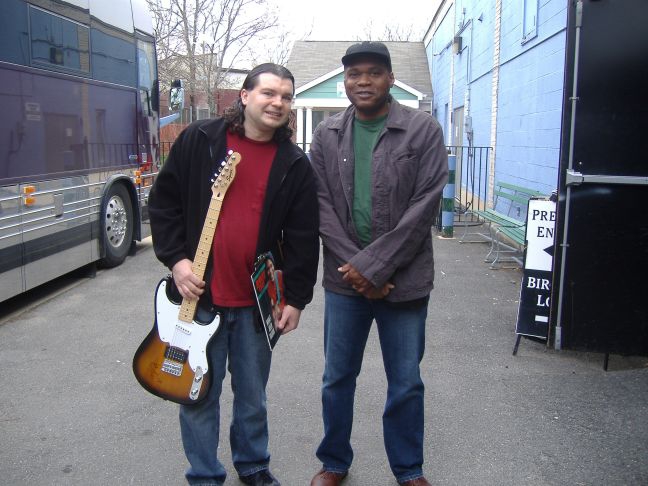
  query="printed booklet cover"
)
[{"x": 269, "y": 291}]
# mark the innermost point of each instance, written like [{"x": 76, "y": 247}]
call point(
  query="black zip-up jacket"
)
[{"x": 289, "y": 226}]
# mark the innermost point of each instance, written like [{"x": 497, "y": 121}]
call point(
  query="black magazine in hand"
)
[{"x": 267, "y": 283}]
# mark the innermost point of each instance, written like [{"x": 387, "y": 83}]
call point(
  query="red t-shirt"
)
[{"x": 237, "y": 232}]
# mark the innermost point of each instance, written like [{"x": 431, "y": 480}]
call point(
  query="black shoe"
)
[{"x": 260, "y": 478}]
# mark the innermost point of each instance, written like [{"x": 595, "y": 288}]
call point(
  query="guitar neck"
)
[{"x": 188, "y": 307}]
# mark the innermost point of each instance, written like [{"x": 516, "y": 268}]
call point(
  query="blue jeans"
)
[
  {"x": 347, "y": 321},
  {"x": 242, "y": 346}
]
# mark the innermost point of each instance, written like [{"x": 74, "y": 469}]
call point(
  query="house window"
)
[
  {"x": 318, "y": 117},
  {"x": 185, "y": 116},
  {"x": 530, "y": 21}
]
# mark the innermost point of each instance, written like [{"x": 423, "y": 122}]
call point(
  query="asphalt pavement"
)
[{"x": 72, "y": 413}]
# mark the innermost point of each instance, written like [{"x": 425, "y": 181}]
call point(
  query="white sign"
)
[
  {"x": 535, "y": 292},
  {"x": 541, "y": 224}
]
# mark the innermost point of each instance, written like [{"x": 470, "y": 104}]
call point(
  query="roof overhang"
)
[{"x": 335, "y": 72}]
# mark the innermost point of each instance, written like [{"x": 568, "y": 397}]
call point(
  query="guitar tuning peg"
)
[{"x": 230, "y": 152}]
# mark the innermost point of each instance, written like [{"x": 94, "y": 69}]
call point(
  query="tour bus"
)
[{"x": 79, "y": 135}]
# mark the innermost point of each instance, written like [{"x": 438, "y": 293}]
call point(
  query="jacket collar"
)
[{"x": 214, "y": 129}]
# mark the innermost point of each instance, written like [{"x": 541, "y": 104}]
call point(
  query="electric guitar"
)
[{"x": 172, "y": 360}]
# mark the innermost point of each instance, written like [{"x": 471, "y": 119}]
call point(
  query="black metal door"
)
[{"x": 600, "y": 290}]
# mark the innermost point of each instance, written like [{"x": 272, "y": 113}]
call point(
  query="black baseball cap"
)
[{"x": 367, "y": 49}]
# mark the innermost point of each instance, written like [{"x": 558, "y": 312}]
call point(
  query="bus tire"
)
[{"x": 116, "y": 226}]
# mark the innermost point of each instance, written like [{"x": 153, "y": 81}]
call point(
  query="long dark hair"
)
[{"x": 234, "y": 116}]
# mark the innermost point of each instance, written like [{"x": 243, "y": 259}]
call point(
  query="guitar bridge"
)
[
  {"x": 171, "y": 367},
  {"x": 174, "y": 361}
]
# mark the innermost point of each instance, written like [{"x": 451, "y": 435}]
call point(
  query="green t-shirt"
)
[{"x": 365, "y": 134}]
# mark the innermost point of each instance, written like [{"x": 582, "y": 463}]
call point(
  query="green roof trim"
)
[{"x": 328, "y": 89}]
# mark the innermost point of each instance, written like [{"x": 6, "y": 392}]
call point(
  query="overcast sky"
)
[{"x": 347, "y": 19}]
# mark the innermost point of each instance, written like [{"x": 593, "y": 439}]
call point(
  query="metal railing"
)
[
  {"x": 165, "y": 148},
  {"x": 471, "y": 181}
]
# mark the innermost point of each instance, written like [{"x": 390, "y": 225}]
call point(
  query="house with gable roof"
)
[{"x": 319, "y": 81}]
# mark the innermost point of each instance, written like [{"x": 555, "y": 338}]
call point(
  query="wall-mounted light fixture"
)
[{"x": 456, "y": 44}]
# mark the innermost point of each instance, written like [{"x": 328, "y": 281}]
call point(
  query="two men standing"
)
[{"x": 378, "y": 170}]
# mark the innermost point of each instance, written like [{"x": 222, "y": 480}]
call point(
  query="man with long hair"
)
[{"x": 271, "y": 205}]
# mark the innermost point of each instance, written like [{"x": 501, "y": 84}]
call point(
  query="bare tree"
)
[
  {"x": 200, "y": 40},
  {"x": 278, "y": 49},
  {"x": 165, "y": 25},
  {"x": 281, "y": 48},
  {"x": 278, "y": 44},
  {"x": 401, "y": 33},
  {"x": 367, "y": 32},
  {"x": 390, "y": 33}
]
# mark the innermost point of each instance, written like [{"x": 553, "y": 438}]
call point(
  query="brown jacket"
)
[{"x": 410, "y": 168}]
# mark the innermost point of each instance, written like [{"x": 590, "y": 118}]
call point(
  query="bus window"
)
[
  {"x": 113, "y": 59},
  {"x": 147, "y": 77},
  {"x": 58, "y": 42},
  {"x": 13, "y": 32}
]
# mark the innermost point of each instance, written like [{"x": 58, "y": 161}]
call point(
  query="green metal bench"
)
[{"x": 505, "y": 223}]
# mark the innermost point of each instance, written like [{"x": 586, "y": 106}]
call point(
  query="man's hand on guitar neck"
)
[{"x": 189, "y": 286}]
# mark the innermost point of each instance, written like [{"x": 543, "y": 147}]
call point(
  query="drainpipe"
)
[
  {"x": 494, "y": 100},
  {"x": 467, "y": 117},
  {"x": 570, "y": 164}
]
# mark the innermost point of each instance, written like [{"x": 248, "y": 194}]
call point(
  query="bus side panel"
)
[
  {"x": 73, "y": 118},
  {"x": 12, "y": 280},
  {"x": 66, "y": 138},
  {"x": 56, "y": 229}
]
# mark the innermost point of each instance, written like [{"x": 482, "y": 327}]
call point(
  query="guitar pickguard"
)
[{"x": 182, "y": 337}]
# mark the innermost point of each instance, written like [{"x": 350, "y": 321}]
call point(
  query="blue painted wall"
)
[{"x": 530, "y": 90}]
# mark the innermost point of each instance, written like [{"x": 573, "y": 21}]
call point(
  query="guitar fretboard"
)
[{"x": 188, "y": 307}]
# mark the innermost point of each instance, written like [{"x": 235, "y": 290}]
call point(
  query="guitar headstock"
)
[{"x": 226, "y": 175}]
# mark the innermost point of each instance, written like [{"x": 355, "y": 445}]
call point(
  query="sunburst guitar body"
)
[{"x": 172, "y": 361}]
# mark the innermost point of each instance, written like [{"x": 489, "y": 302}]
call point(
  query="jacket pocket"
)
[{"x": 401, "y": 172}]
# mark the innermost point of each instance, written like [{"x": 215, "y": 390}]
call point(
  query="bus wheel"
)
[{"x": 117, "y": 226}]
